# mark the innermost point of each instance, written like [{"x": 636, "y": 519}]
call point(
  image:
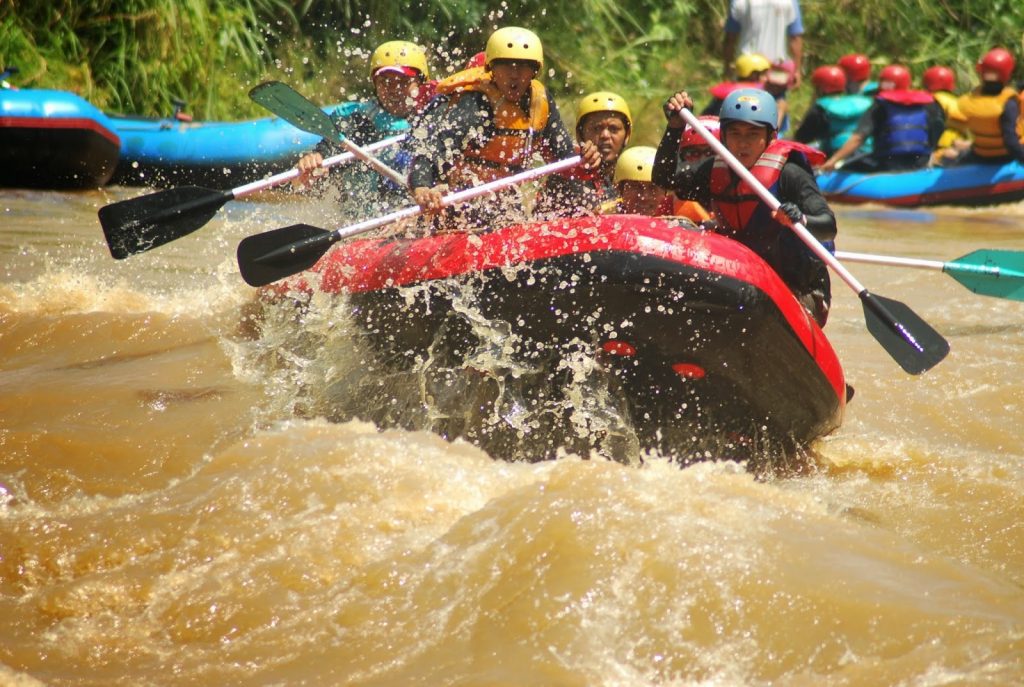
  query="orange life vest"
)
[
  {"x": 507, "y": 145},
  {"x": 982, "y": 113},
  {"x": 690, "y": 209}
]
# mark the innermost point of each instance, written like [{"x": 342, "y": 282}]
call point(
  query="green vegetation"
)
[{"x": 136, "y": 56}]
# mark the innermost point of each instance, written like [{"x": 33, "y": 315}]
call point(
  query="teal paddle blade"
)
[{"x": 998, "y": 273}]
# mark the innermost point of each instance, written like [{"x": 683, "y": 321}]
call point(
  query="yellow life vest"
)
[
  {"x": 508, "y": 145},
  {"x": 956, "y": 123},
  {"x": 982, "y": 113}
]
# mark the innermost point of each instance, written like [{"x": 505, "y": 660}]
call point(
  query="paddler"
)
[
  {"x": 993, "y": 111},
  {"x": 603, "y": 119},
  {"x": 905, "y": 125},
  {"x": 940, "y": 81},
  {"x": 748, "y": 130},
  {"x": 637, "y": 194},
  {"x": 400, "y": 76},
  {"x": 832, "y": 118},
  {"x": 496, "y": 118}
]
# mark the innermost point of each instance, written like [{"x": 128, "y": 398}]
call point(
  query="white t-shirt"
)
[{"x": 764, "y": 26}]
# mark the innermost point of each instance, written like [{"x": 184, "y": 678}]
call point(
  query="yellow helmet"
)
[
  {"x": 748, "y": 63},
  {"x": 399, "y": 54},
  {"x": 603, "y": 101},
  {"x": 514, "y": 43},
  {"x": 635, "y": 164}
]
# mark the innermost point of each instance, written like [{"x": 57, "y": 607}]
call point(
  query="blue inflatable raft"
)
[
  {"x": 172, "y": 152},
  {"x": 968, "y": 184},
  {"x": 55, "y": 139}
]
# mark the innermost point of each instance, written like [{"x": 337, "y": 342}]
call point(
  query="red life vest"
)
[
  {"x": 742, "y": 215},
  {"x": 735, "y": 203}
]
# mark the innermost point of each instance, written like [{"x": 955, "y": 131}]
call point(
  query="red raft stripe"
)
[{"x": 60, "y": 123}]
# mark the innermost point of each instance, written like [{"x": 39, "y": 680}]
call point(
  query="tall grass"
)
[{"x": 136, "y": 55}]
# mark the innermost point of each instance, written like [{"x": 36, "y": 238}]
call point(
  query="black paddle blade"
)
[
  {"x": 272, "y": 255},
  {"x": 140, "y": 224},
  {"x": 294, "y": 108},
  {"x": 911, "y": 341}
]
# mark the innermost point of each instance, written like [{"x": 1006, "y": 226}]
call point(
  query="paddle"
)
[
  {"x": 911, "y": 341},
  {"x": 280, "y": 253},
  {"x": 294, "y": 108},
  {"x": 998, "y": 273},
  {"x": 140, "y": 224}
]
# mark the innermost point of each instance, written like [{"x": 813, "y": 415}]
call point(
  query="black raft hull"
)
[{"x": 694, "y": 339}]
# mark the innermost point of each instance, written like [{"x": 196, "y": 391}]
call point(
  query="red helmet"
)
[
  {"x": 856, "y": 66},
  {"x": 691, "y": 138},
  {"x": 829, "y": 79},
  {"x": 938, "y": 78},
  {"x": 998, "y": 60},
  {"x": 895, "y": 74}
]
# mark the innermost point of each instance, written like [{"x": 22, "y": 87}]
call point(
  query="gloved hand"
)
[{"x": 789, "y": 214}]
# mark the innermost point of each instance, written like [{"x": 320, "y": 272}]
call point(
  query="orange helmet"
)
[
  {"x": 691, "y": 138},
  {"x": 856, "y": 66},
  {"x": 829, "y": 79},
  {"x": 998, "y": 60},
  {"x": 895, "y": 77},
  {"x": 938, "y": 78}
]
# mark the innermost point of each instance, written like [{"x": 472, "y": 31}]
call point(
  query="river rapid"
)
[{"x": 176, "y": 508}]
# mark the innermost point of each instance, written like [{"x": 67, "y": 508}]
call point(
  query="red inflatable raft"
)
[{"x": 700, "y": 337}]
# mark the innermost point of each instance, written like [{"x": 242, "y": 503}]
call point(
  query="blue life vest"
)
[
  {"x": 904, "y": 129},
  {"x": 844, "y": 111}
]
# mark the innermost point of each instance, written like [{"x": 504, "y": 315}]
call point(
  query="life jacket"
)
[
  {"x": 742, "y": 214},
  {"x": 956, "y": 123},
  {"x": 904, "y": 130},
  {"x": 367, "y": 117},
  {"x": 982, "y": 113},
  {"x": 506, "y": 145},
  {"x": 690, "y": 209},
  {"x": 843, "y": 112}
]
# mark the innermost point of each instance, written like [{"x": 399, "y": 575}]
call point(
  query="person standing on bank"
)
[{"x": 772, "y": 28}]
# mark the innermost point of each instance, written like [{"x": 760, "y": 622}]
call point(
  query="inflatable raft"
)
[
  {"x": 175, "y": 152},
  {"x": 968, "y": 184},
  {"x": 54, "y": 139},
  {"x": 698, "y": 336}
]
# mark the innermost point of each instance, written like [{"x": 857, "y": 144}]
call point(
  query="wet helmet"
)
[
  {"x": 690, "y": 137},
  {"x": 751, "y": 63},
  {"x": 856, "y": 66},
  {"x": 402, "y": 55},
  {"x": 829, "y": 79},
  {"x": 895, "y": 77},
  {"x": 998, "y": 60},
  {"x": 938, "y": 78},
  {"x": 750, "y": 105},
  {"x": 635, "y": 164},
  {"x": 514, "y": 43},
  {"x": 603, "y": 101}
]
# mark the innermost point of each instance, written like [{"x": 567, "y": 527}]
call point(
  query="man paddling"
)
[
  {"x": 748, "y": 124},
  {"x": 495, "y": 120}
]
